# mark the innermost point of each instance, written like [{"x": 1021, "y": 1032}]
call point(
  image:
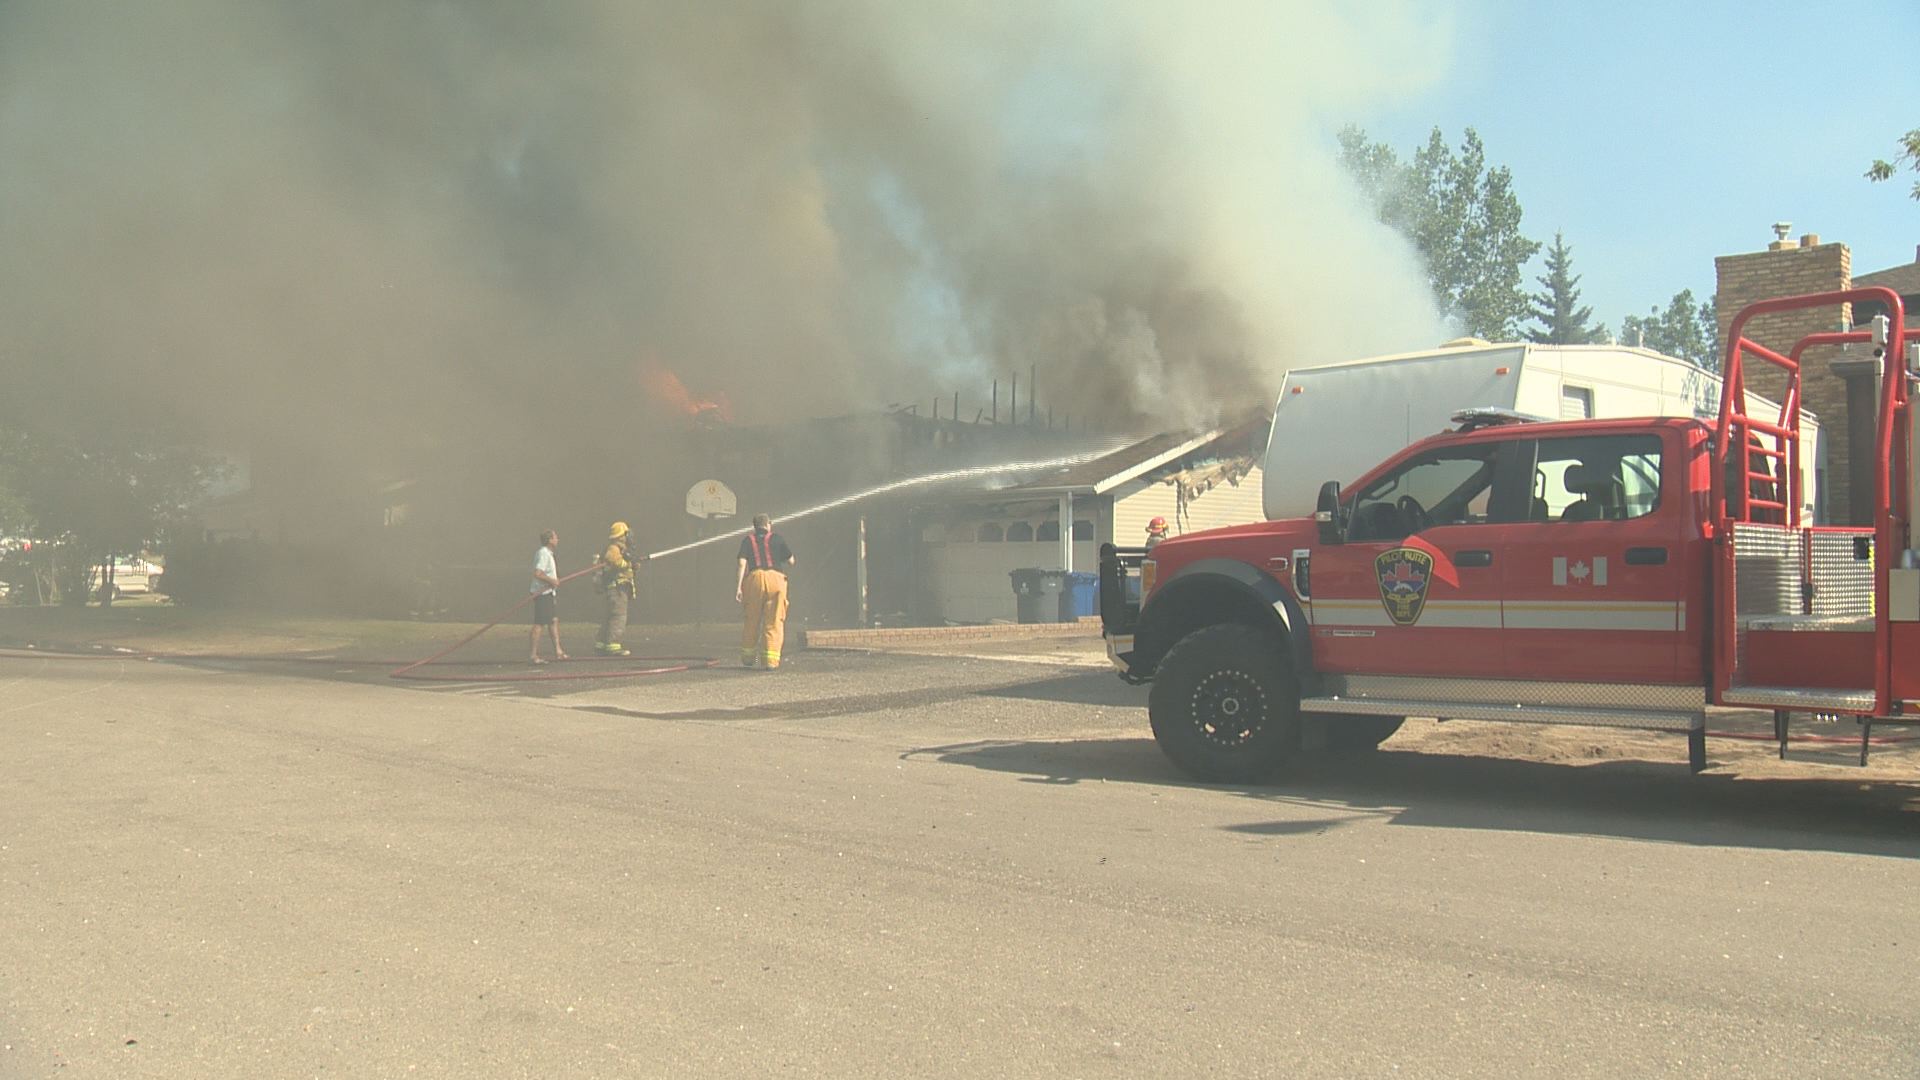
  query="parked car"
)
[{"x": 131, "y": 576}]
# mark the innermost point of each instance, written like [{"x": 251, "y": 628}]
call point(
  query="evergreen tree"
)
[
  {"x": 1462, "y": 217},
  {"x": 1557, "y": 307}
]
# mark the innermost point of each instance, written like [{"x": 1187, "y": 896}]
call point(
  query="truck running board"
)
[
  {"x": 1814, "y": 699},
  {"x": 1693, "y": 723}
]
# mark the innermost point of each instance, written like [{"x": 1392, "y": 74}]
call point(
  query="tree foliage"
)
[
  {"x": 1907, "y": 158},
  {"x": 1556, "y": 307},
  {"x": 97, "y": 490},
  {"x": 1462, "y": 217},
  {"x": 1686, "y": 328}
]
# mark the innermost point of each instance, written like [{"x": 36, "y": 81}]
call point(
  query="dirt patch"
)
[{"x": 1897, "y": 762}]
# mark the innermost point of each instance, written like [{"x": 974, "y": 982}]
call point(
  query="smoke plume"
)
[{"x": 379, "y": 232}]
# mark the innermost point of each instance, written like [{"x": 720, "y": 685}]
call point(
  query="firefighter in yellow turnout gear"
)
[
  {"x": 761, "y": 589},
  {"x": 617, "y": 582}
]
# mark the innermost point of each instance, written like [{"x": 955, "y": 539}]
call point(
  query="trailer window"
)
[
  {"x": 1447, "y": 487},
  {"x": 1602, "y": 478}
]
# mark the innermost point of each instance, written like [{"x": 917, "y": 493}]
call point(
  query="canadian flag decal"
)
[{"x": 1578, "y": 571}]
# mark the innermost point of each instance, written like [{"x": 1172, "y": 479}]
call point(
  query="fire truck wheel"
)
[
  {"x": 1358, "y": 734},
  {"x": 1224, "y": 704}
]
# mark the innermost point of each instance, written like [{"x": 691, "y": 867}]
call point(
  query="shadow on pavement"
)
[
  {"x": 1092, "y": 687},
  {"x": 1627, "y": 799}
]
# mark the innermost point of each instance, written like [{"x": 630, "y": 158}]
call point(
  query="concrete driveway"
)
[{"x": 897, "y": 865}]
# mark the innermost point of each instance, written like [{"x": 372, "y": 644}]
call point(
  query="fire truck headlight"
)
[{"x": 1149, "y": 571}]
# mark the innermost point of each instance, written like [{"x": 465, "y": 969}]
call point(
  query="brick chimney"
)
[{"x": 1787, "y": 268}]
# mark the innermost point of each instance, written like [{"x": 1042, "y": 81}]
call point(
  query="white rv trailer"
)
[{"x": 1335, "y": 421}]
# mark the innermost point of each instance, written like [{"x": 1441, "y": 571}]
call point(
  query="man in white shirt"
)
[{"x": 546, "y": 597}]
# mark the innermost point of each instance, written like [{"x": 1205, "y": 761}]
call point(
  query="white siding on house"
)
[{"x": 1135, "y": 503}]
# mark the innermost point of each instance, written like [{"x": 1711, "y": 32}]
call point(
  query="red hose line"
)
[
  {"x": 674, "y": 664},
  {"x": 409, "y": 670},
  {"x": 401, "y": 672},
  {"x": 686, "y": 663}
]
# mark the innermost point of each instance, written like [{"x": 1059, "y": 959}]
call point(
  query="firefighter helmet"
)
[
  {"x": 1157, "y": 525},
  {"x": 619, "y": 530}
]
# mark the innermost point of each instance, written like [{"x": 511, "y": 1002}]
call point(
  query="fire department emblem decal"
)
[{"x": 1403, "y": 574}]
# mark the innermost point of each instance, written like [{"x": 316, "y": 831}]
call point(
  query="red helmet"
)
[{"x": 1157, "y": 525}]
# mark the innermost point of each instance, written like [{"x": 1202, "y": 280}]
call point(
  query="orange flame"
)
[{"x": 666, "y": 388}]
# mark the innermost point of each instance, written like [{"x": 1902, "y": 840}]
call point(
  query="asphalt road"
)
[{"x": 895, "y": 866}]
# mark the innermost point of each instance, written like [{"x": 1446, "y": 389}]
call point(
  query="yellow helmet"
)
[{"x": 619, "y": 530}]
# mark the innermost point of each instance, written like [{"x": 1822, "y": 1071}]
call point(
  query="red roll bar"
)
[{"x": 1891, "y": 514}]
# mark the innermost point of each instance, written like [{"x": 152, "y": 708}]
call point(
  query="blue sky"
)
[{"x": 1660, "y": 135}]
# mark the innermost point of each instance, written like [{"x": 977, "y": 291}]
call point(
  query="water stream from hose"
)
[{"x": 979, "y": 472}]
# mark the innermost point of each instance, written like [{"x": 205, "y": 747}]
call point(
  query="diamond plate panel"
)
[
  {"x": 1766, "y": 570},
  {"x": 1513, "y": 693},
  {"x": 1801, "y": 698},
  {"x": 1766, "y": 580},
  {"x": 1842, "y": 584},
  {"x": 1455, "y": 710}
]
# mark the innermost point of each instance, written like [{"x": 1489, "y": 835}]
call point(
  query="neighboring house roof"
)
[
  {"x": 1109, "y": 471},
  {"x": 1904, "y": 280}
]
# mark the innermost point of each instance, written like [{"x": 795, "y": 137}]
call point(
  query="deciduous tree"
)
[
  {"x": 1907, "y": 158},
  {"x": 1461, "y": 215},
  {"x": 1686, "y": 328},
  {"x": 98, "y": 490}
]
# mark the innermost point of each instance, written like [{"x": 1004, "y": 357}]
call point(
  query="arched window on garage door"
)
[{"x": 990, "y": 533}]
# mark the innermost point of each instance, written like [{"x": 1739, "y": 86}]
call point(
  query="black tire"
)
[
  {"x": 1225, "y": 706},
  {"x": 1357, "y": 734}
]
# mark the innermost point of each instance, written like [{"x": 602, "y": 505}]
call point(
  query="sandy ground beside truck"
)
[
  {"x": 1833, "y": 753},
  {"x": 896, "y": 865}
]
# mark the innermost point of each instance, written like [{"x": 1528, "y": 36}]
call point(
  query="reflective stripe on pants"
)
[{"x": 615, "y": 624}]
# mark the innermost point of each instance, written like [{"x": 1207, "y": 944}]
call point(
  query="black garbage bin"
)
[{"x": 1035, "y": 599}]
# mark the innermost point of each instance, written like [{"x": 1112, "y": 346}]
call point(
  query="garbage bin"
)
[
  {"x": 1031, "y": 603},
  {"x": 1081, "y": 597}
]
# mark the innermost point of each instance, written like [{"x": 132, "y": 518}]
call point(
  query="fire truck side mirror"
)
[{"x": 1327, "y": 514}]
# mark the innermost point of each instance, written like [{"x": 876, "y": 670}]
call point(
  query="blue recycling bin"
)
[{"x": 1081, "y": 597}]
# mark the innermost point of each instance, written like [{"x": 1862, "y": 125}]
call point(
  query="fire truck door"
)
[
  {"x": 1415, "y": 589},
  {"x": 1593, "y": 582}
]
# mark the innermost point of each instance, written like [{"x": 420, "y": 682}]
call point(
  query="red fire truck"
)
[{"x": 1623, "y": 573}]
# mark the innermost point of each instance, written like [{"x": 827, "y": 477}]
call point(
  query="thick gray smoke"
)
[
  {"x": 334, "y": 223},
  {"x": 381, "y": 238}
]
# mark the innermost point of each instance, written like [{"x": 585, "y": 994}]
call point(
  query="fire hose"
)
[
  {"x": 408, "y": 670},
  {"x": 667, "y": 665}
]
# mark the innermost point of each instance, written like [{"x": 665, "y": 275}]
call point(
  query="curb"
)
[{"x": 916, "y": 635}]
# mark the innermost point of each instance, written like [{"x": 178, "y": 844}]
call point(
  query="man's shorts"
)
[{"x": 546, "y": 608}]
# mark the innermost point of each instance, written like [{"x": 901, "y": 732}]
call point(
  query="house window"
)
[
  {"x": 1083, "y": 529},
  {"x": 1019, "y": 532},
  {"x": 1576, "y": 403},
  {"x": 1049, "y": 531}
]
